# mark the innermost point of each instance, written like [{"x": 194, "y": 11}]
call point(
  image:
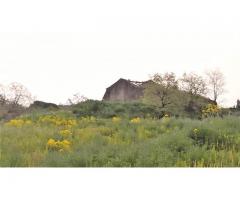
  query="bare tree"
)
[
  {"x": 76, "y": 98},
  {"x": 216, "y": 83},
  {"x": 193, "y": 84},
  {"x": 19, "y": 94},
  {"x": 3, "y": 97}
]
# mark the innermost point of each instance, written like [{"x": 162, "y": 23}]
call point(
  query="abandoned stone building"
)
[{"x": 125, "y": 90}]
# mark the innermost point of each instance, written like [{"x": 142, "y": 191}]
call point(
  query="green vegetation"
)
[
  {"x": 168, "y": 127},
  {"x": 104, "y": 109},
  {"x": 123, "y": 137},
  {"x": 182, "y": 100}
]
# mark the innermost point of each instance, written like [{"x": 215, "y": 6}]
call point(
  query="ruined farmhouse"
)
[{"x": 125, "y": 90}]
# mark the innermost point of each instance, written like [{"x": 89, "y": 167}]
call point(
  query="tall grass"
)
[{"x": 98, "y": 142}]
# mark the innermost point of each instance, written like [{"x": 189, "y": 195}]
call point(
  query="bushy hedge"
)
[{"x": 108, "y": 110}]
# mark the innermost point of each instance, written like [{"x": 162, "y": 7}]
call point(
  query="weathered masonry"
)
[{"x": 125, "y": 90}]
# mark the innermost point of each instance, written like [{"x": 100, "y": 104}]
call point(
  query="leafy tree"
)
[
  {"x": 160, "y": 91},
  {"x": 193, "y": 84},
  {"x": 168, "y": 80}
]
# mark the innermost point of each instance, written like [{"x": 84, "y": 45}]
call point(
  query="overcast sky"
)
[{"x": 58, "y": 48}]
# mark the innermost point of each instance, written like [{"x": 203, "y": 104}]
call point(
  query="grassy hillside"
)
[
  {"x": 182, "y": 107},
  {"x": 64, "y": 139}
]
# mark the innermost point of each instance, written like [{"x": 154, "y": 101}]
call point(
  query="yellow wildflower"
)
[
  {"x": 211, "y": 110},
  {"x": 196, "y": 131},
  {"x": 58, "y": 145},
  {"x": 28, "y": 122},
  {"x": 65, "y": 133},
  {"x": 58, "y": 121},
  {"x": 16, "y": 122},
  {"x": 136, "y": 120},
  {"x": 116, "y": 119},
  {"x": 51, "y": 144},
  {"x": 65, "y": 144}
]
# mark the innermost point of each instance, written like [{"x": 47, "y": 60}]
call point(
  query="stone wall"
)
[{"x": 123, "y": 91}]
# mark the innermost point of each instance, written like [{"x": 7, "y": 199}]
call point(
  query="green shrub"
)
[{"x": 111, "y": 109}]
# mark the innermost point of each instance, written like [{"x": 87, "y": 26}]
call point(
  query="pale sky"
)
[{"x": 58, "y": 48}]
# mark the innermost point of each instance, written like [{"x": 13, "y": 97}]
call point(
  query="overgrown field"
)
[{"x": 60, "y": 139}]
